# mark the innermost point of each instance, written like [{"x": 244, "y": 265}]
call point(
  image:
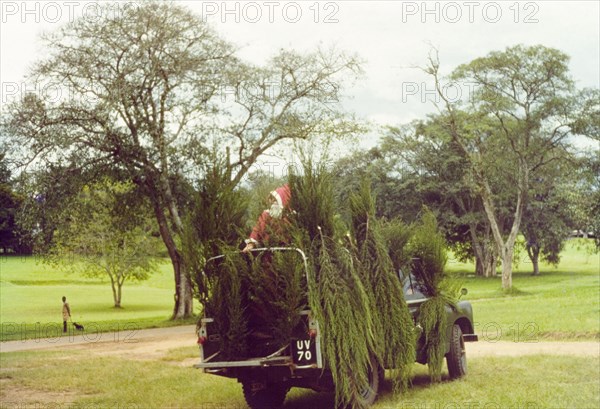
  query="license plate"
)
[{"x": 304, "y": 352}]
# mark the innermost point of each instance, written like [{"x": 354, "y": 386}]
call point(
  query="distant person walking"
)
[{"x": 66, "y": 313}]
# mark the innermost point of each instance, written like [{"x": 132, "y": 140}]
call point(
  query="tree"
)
[
  {"x": 526, "y": 95},
  {"x": 46, "y": 194},
  {"x": 414, "y": 165},
  {"x": 582, "y": 196},
  {"x": 13, "y": 238},
  {"x": 441, "y": 181},
  {"x": 545, "y": 224},
  {"x": 145, "y": 91},
  {"x": 105, "y": 236}
]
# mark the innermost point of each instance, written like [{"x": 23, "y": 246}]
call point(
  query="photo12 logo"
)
[
  {"x": 62, "y": 11},
  {"x": 427, "y": 92},
  {"x": 470, "y": 11},
  {"x": 270, "y": 11}
]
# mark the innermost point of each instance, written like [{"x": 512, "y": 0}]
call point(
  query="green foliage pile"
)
[
  {"x": 227, "y": 305},
  {"x": 428, "y": 249},
  {"x": 276, "y": 296},
  {"x": 216, "y": 214},
  {"x": 352, "y": 287},
  {"x": 397, "y": 236},
  {"x": 338, "y": 298},
  {"x": 313, "y": 203},
  {"x": 341, "y": 304},
  {"x": 255, "y": 301},
  {"x": 392, "y": 323}
]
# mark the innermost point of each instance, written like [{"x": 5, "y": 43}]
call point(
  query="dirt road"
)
[{"x": 155, "y": 343}]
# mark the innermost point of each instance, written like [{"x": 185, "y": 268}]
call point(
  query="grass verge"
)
[
  {"x": 31, "y": 292},
  {"x": 561, "y": 303},
  {"x": 76, "y": 380}
]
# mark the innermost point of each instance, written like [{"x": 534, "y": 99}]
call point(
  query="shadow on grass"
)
[
  {"x": 109, "y": 308},
  {"x": 53, "y": 282},
  {"x": 310, "y": 399},
  {"x": 305, "y": 398},
  {"x": 512, "y": 292},
  {"x": 423, "y": 381}
]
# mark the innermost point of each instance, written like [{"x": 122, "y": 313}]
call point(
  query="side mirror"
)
[{"x": 463, "y": 291}]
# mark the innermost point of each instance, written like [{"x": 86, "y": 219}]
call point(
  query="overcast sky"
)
[{"x": 391, "y": 36}]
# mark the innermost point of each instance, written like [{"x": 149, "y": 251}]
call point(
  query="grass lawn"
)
[
  {"x": 75, "y": 379},
  {"x": 562, "y": 303},
  {"x": 31, "y": 305}
]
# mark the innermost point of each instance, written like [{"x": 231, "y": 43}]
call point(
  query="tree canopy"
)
[
  {"x": 149, "y": 94},
  {"x": 102, "y": 237},
  {"x": 522, "y": 104}
]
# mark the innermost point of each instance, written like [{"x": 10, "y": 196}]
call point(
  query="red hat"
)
[{"x": 282, "y": 194}]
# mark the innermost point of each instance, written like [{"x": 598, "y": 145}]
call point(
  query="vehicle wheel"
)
[
  {"x": 270, "y": 397},
  {"x": 375, "y": 375},
  {"x": 457, "y": 356}
]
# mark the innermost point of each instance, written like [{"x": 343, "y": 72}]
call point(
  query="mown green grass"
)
[
  {"x": 562, "y": 303},
  {"x": 532, "y": 382},
  {"x": 31, "y": 305}
]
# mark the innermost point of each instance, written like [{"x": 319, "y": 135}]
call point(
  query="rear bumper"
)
[
  {"x": 258, "y": 362},
  {"x": 470, "y": 337}
]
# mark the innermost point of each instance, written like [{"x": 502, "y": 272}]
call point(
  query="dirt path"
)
[
  {"x": 155, "y": 343},
  {"x": 151, "y": 342}
]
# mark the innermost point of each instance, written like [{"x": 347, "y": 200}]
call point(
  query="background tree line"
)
[{"x": 501, "y": 163}]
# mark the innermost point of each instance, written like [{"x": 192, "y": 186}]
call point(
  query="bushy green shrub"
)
[
  {"x": 392, "y": 322},
  {"x": 428, "y": 249}
]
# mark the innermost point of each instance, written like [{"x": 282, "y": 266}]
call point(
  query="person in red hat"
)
[{"x": 271, "y": 220}]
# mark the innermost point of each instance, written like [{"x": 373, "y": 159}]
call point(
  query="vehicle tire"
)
[
  {"x": 271, "y": 397},
  {"x": 375, "y": 375},
  {"x": 456, "y": 358}
]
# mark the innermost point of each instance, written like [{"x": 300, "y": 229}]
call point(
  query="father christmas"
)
[{"x": 272, "y": 223}]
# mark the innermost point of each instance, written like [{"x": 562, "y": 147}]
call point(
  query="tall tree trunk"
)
[
  {"x": 183, "y": 307},
  {"x": 534, "y": 255},
  {"x": 507, "y": 258},
  {"x": 479, "y": 265},
  {"x": 477, "y": 250},
  {"x": 485, "y": 261},
  {"x": 489, "y": 261},
  {"x": 120, "y": 281},
  {"x": 116, "y": 295},
  {"x": 505, "y": 249},
  {"x": 485, "y": 257},
  {"x": 118, "y": 299},
  {"x": 184, "y": 298},
  {"x": 536, "y": 266}
]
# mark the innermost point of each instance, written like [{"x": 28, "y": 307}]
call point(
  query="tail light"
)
[
  {"x": 313, "y": 327},
  {"x": 201, "y": 340}
]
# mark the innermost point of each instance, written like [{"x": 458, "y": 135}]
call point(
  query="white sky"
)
[{"x": 391, "y": 36}]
